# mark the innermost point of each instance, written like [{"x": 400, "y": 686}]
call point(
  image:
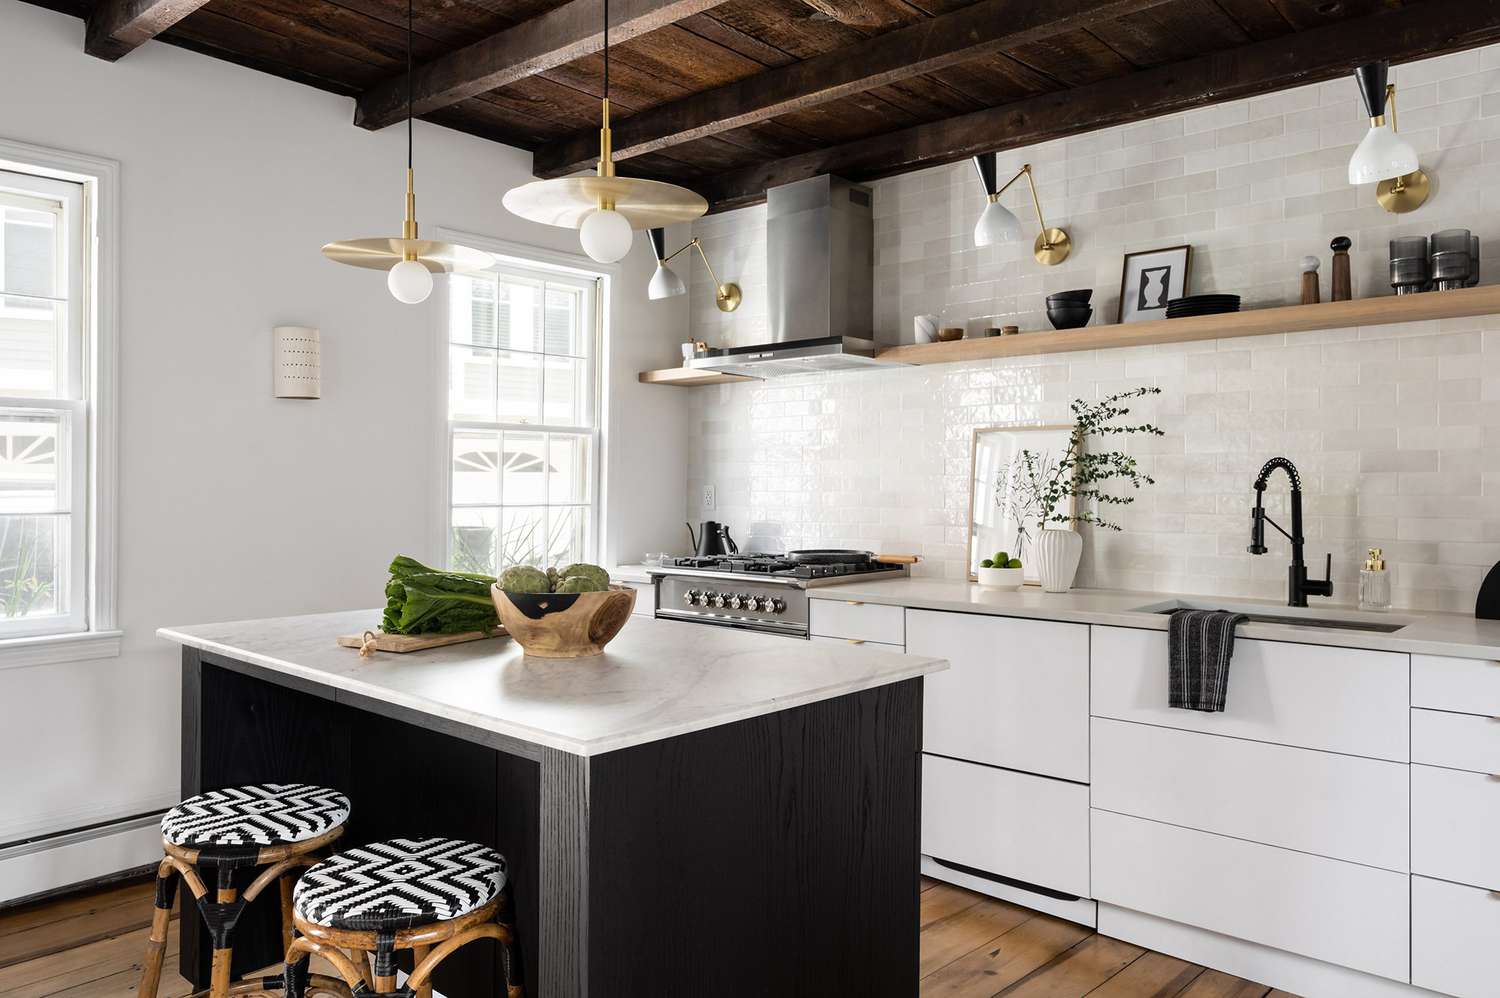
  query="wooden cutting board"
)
[{"x": 403, "y": 643}]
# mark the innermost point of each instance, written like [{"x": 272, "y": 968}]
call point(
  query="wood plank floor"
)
[{"x": 972, "y": 947}]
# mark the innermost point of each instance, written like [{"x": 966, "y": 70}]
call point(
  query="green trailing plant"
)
[{"x": 1081, "y": 474}]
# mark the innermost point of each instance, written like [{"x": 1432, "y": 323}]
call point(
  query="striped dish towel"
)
[{"x": 1200, "y": 644}]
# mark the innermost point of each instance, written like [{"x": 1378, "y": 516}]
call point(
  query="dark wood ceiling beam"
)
[
  {"x": 1311, "y": 56},
  {"x": 118, "y": 27},
  {"x": 973, "y": 32},
  {"x": 552, "y": 39}
]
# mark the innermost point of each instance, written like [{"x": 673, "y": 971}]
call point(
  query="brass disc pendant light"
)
[
  {"x": 604, "y": 208},
  {"x": 409, "y": 262}
]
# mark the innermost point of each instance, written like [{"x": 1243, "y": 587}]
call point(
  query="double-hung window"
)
[
  {"x": 523, "y": 427},
  {"x": 44, "y": 416}
]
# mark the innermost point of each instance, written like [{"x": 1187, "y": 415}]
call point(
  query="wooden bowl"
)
[
  {"x": 564, "y": 625},
  {"x": 950, "y": 333}
]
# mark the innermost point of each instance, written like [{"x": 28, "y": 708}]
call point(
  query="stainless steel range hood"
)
[{"x": 820, "y": 274}]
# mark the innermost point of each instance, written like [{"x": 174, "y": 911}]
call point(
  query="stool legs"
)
[
  {"x": 161, "y": 916},
  {"x": 418, "y": 954}
]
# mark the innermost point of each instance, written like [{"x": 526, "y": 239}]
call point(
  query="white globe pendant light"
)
[
  {"x": 606, "y": 235},
  {"x": 409, "y": 282}
]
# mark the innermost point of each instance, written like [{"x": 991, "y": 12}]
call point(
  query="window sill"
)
[{"x": 52, "y": 649}]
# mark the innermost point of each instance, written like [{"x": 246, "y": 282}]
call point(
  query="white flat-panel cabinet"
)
[
  {"x": 1340, "y": 806},
  {"x": 846, "y": 642},
  {"x": 1343, "y": 913},
  {"x": 1027, "y": 828},
  {"x": 1456, "y": 741},
  {"x": 1455, "y": 938},
  {"x": 1016, "y": 693},
  {"x": 1334, "y": 699},
  {"x": 1455, "y": 826},
  {"x": 857, "y": 621},
  {"x": 1466, "y": 685}
]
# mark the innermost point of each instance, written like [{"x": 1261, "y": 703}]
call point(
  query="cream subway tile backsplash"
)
[{"x": 1395, "y": 428}]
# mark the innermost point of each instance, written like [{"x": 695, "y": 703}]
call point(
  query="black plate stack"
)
[{"x": 1202, "y": 305}]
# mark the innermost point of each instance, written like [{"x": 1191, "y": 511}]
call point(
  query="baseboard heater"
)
[
  {"x": 19, "y": 849},
  {"x": 996, "y": 878}
]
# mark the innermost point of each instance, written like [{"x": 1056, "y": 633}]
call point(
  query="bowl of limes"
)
[{"x": 1001, "y": 572}]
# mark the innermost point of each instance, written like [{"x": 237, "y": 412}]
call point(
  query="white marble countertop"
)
[
  {"x": 630, "y": 573},
  {"x": 657, "y": 679},
  {"x": 1422, "y": 632}
]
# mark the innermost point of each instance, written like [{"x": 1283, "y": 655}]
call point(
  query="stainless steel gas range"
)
[{"x": 760, "y": 592}]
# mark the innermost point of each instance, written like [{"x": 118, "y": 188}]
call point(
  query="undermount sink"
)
[{"x": 1341, "y": 621}]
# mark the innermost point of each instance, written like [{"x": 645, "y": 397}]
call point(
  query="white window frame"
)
[
  {"x": 90, "y": 630},
  {"x": 531, "y": 261}
]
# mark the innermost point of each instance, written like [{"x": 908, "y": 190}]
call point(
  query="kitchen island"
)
[{"x": 700, "y": 811}]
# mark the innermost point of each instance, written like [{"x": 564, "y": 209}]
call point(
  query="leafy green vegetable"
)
[{"x": 422, "y": 600}]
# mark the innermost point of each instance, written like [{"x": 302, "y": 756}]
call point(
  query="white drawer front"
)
[
  {"x": 1453, "y": 934},
  {"x": 1336, "y": 699},
  {"x": 1016, "y": 693},
  {"x": 1333, "y": 805},
  {"x": 1457, "y": 741},
  {"x": 1028, "y": 828},
  {"x": 832, "y": 618},
  {"x": 846, "y": 642},
  {"x": 1454, "y": 822},
  {"x": 1467, "y": 685},
  {"x": 1344, "y": 913}
]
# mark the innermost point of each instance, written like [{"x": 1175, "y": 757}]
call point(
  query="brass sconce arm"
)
[
  {"x": 727, "y": 296},
  {"x": 1052, "y": 245}
]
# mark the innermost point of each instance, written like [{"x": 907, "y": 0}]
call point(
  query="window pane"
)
[
  {"x": 30, "y": 445},
  {"x": 519, "y": 315},
  {"x": 473, "y": 541},
  {"x": 564, "y": 322},
  {"x": 566, "y": 534},
  {"x": 520, "y": 388},
  {"x": 524, "y": 470},
  {"x": 476, "y": 469},
  {"x": 567, "y": 392},
  {"x": 33, "y": 560},
  {"x": 31, "y": 336},
  {"x": 471, "y": 383},
  {"x": 473, "y": 314},
  {"x": 567, "y": 469},
  {"x": 523, "y": 536},
  {"x": 29, "y": 251}
]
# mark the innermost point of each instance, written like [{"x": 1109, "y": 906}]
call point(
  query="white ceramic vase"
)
[{"x": 1057, "y": 552}]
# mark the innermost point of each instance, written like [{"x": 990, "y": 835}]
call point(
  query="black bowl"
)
[
  {"x": 1080, "y": 297},
  {"x": 1069, "y": 317}
]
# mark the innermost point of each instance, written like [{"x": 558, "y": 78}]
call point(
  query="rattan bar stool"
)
[
  {"x": 430, "y": 896},
  {"x": 279, "y": 826}
]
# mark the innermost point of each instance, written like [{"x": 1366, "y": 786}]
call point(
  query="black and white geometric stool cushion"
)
[
  {"x": 264, "y": 814},
  {"x": 398, "y": 884}
]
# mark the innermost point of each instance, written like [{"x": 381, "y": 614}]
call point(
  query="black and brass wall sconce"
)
[
  {"x": 1383, "y": 157},
  {"x": 667, "y": 283},
  {"x": 999, "y": 224}
]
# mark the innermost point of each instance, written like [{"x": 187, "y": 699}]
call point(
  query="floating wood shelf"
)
[
  {"x": 687, "y": 377},
  {"x": 1255, "y": 322}
]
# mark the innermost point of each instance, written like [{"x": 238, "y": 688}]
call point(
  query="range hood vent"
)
[{"x": 820, "y": 276}]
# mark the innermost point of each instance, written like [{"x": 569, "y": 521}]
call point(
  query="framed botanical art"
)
[
  {"x": 1150, "y": 279},
  {"x": 1008, "y": 465}
]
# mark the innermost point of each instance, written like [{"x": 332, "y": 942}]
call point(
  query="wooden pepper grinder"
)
[
  {"x": 1310, "y": 280},
  {"x": 1342, "y": 286}
]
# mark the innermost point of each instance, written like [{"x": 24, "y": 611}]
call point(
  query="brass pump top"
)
[{"x": 1375, "y": 563}]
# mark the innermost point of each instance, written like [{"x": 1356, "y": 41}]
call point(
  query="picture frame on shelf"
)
[
  {"x": 1151, "y": 278},
  {"x": 1004, "y": 509}
]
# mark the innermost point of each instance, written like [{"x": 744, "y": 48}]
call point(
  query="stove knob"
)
[
  {"x": 736, "y": 601},
  {"x": 706, "y": 598},
  {"x": 690, "y": 597},
  {"x": 753, "y": 603},
  {"x": 718, "y": 600},
  {"x": 775, "y": 606}
]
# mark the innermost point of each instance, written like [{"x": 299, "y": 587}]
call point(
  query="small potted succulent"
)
[{"x": 1001, "y": 572}]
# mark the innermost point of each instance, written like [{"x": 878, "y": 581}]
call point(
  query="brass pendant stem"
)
[
  {"x": 606, "y": 146},
  {"x": 409, "y": 227}
]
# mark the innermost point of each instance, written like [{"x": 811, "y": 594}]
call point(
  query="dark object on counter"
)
[
  {"x": 1343, "y": 285},
  {"x": 1069, "y": 315},
  {"x": 1450, "y": 258},
  {"x": 994, "y": 331},
  {"x": 950, "y": 333},
  {"x": 1079, "y": 297},
  {"x": 1487, "y": 605},
  {"x": 712, "y": 539},
  {"x": 1009, "y": 330},
  {"x": 1311, "y": 294},
  {"x": 1202, "y": 305},
  {"x": 1299, "y": 586},
  {"x": 1473, "y": 261},
  {"x": 1409, "y": 264},
  {"x": 1200, "y": 644}
]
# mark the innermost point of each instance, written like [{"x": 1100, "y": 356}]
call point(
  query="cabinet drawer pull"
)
[
  {"x": 854, "y": 602},
  {"x": 860, "y": 641},
  {"x": 1495, "y": 895}
]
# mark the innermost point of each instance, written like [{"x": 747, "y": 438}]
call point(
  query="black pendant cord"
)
[
  {"x": 408, "y": 83},
  {"x": 606, "y": 49}
]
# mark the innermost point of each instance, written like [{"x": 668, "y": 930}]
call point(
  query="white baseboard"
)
[
  {"x": 33, "y": 868},
  {"x": 1082, "y": 911},
  {"x": 1272, "y": 967}
]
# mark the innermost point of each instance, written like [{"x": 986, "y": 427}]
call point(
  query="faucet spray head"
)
[{"x": 1258, "y": 525}]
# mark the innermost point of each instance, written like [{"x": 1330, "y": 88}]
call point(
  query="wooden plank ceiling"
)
[{"x": 729, "y": 96}]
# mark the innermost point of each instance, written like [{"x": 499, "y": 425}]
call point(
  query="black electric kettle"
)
[{"x": 712, "y": 539}]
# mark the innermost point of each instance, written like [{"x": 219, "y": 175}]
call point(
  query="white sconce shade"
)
[
  {"x": 665, "y": 283},
  {"x": 997, "y": 224},
  {"x": 1381, "y": 155},
  {"x": 296, "y": 361}
]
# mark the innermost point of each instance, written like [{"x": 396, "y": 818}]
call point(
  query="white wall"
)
[
  {"x": 234, "y": 504},
  {"x": 1396, "y": 428}
]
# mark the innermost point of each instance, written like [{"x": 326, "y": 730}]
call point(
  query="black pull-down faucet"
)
[{"x": 1298, "y": 587}]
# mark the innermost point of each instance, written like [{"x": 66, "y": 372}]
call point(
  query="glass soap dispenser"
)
[{"x": 1374, "y": 583}]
